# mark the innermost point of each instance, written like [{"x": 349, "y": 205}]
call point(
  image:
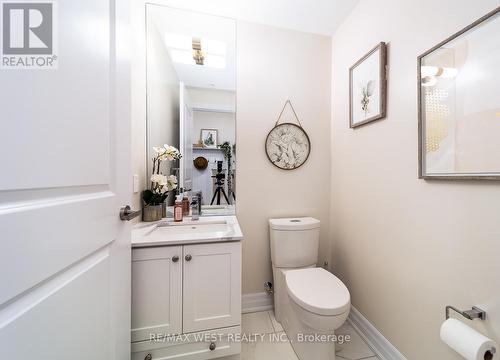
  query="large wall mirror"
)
[
  {"x": 191, "y": 82},
  {"x": 459, "y": 100}
]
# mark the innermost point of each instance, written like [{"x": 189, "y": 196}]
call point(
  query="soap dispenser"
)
[
  {"x": 185, "y": 204},
  {"x": 178, "y": 211}
]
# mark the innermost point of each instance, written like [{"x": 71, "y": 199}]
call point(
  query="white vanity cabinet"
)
[{"x": 186, "y": 289}]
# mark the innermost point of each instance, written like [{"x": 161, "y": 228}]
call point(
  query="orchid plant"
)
[{"x": 161, "y": 184}]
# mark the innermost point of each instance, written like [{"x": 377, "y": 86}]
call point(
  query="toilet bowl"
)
[
  {"x": 319, "y": 299},
  {"x": 310, "y": 302}
]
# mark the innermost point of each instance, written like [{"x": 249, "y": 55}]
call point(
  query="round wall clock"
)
[{"x": 288, "y": 146}]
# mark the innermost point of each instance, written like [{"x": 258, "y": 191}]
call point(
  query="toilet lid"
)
[
  {"x": 318, "y": 291},
  {"x": 294, "y": 224}
]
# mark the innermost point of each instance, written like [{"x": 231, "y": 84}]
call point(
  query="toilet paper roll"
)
[{"x": 468, "y": 342}]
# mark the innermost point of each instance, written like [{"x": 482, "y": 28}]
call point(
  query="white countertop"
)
[{"x": 219, "y": 229}]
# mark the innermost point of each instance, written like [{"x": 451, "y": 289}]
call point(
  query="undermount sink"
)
[
  {"x": 206, "y": 229},
  {"x": 189, "y": 227}
]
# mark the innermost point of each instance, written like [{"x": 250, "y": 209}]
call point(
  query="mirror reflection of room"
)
[
  {"x": 191, "y": 102},
  {"x": 460, "y": 104},
  {"x": 214, "y": 145}
]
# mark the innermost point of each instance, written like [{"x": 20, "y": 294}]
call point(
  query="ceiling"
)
[
  {"x": 315, "y": 16},
  {"x": 173, "y": 22}
]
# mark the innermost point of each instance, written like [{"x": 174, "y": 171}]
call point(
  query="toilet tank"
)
[{"x": 294, "y": 242}]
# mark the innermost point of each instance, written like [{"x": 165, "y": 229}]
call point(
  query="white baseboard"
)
[
  {"x": 256, "y": 302},
  {"x": 379, "y": 344}
]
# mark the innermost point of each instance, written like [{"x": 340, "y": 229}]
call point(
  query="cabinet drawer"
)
[{"x": 189, "y": 350}]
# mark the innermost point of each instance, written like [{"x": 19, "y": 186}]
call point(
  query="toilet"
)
[{"x": 309, "y": 302}]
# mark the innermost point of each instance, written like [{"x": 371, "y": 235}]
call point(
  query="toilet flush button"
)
[{"x": 295, "y": 220}]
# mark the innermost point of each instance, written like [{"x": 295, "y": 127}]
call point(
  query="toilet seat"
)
[{"x": 318, "y": 291}]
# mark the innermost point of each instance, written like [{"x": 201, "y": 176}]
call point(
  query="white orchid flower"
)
[
  {"x": 166, "y": 156},
  {"x": 171, "y": 182},
  {"x": 159, "y": 179},
  {"x": 158, "y": 149},
  {"x": 155, "y": 178},
  {"x": 171, "y": 153},
  {"x": 163, "y": 180}
]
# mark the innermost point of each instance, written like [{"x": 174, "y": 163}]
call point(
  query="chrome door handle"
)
[
  {"x": 175, "y": 258},
  {"x": 127, "y": 214},
  {"x": 188, "y": 257}
]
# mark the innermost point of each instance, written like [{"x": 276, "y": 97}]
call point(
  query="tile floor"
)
[{"x": 264, "y": 323}]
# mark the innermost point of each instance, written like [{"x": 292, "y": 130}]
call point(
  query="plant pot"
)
[
  {"x": 164, "y": 210},
  {"x": 152, "y": 213}
]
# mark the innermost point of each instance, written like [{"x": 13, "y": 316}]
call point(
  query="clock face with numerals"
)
[{"x": 288, "y": 146}]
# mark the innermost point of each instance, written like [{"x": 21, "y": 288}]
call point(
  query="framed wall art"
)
[
  {"x": 209, "y": 138},
  {"x": 368, "y": 87}
]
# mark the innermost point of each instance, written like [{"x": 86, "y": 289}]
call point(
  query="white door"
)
[
  {"x": 156, "y": 291},
  {"x": 64, "y": 174},
  {"x": 212, "y": 286},
  {"x": 186, "y": 138}
]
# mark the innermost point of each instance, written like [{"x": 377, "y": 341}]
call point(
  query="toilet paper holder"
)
[{"x": 474, "y": 313}]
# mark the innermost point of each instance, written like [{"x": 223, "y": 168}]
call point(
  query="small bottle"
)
[
  {"x": 185, "y": 204},
  {"x": 178, "y": 208}
]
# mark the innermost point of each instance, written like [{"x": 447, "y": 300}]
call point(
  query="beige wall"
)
[
  {"x": 223, "y": 121},
  {"x": 163, "y": 88},
  {"x": 407, "y": 247},
  {"x": 275, "y": 65}
]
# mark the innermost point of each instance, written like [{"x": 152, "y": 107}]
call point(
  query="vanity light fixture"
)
[
  {"x": 198, "y": 55},
  {"x": 429, "y": 81},
  {"x": 212, "y": 55},
  {"x": 444, "y": 72},
  {"x": 430, "y": 74},
  {"x": 193, "y": 50}
]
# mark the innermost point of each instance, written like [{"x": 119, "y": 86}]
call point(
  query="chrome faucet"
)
[
  {"x": 196, "y": 205},
  {"x": 199, "y": 194},
  {"x": 194, "y": 209}
]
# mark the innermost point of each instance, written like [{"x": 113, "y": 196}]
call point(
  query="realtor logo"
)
[{"x": 28, "y": 36}]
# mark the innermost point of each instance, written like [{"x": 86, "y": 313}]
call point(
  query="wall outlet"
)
[{"x": 136, "y": 183}]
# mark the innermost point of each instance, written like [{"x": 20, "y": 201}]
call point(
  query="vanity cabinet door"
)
[
  {"x": 212, "y": 286},
  {"x": 156, "y": 291}
]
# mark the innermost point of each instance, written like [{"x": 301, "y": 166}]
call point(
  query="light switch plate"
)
[{"x": 136, "y": 183}]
